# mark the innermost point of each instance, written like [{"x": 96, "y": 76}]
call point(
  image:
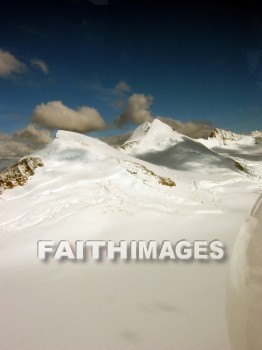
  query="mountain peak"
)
[
  {"x": 226, "y": 137},
  {"x": 151, "y": 133},
  {"x": 158, "y": 125}
]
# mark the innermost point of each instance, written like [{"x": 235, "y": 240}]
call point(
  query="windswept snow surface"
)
[
  {"x": 90, "y": 191},
  {"x": 245, "y": 284}
]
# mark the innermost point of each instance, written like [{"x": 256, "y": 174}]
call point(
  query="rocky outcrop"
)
[
  {"x": 136, "y": 169},
  {"x": 257, "y": 136},
  {"x": 225, "y": 136},
  {"x": 19, "y": 173}
]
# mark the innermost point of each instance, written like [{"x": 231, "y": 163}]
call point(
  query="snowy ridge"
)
[
  {"x": 226, "y": 138},
  {"x": 161, "y": 145},
  {"x": 139, "y": 132},
  {"x": 154, "y": 146},
  {"x": 69, "y": 144},
  {"x": 164, "y": 187},
  {"x": 155, "y": 135},
  {"x": 245, "y": 149}
]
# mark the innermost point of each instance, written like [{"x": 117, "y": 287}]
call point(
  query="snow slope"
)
[
  {"x": 246, "y": 149},
  {"x": 163, "y": 146},
  {"x": 245, "y": 287},
  {"x": 88, "y": 190}
]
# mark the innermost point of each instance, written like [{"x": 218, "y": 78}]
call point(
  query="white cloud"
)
[
  {"x": 41, "y": 65},
  {"x": 9, "y": 65},
  {"x": 122, "y": 86},
  {"x": 12, "y": 148},
  {"x": 23, "y": 142},
  {"x": 32, "y": 135},
  {"x": 55, "y": 115},
  {"x": 137, "y": 110}
]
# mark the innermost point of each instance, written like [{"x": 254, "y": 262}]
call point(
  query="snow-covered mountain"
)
[
  {"x": 226, "y": 138},
  {"x": 244, "y": 149},
  {"x": 159, "y": 144},
  {"x": 160, "y": 185}
]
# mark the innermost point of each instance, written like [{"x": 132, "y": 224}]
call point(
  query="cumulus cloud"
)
[
  {"x": 9, "y": 65},
  {"x": 23, "y": 142},
  {"x": 137, "y": 110},
  {"x": 193, "y": 129},
  {"x": 41, "y": 65},
  {"x": 32, "y": 135},
  {"x": 55, "y": 115}
]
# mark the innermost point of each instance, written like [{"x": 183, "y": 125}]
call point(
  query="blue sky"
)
[{"x": 199, "y": 62}]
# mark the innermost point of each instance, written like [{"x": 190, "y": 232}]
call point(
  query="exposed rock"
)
[
  {"x": 225, "y": 136},
  {"x": 257, "y": 136},
  {"x": 258, "y": 140},
  {"x": 165, "y": 181},
  {"x": 239, "y": 166},
  {"x": 128, "y": 144},
  {"x": 18, "y": 174}
]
